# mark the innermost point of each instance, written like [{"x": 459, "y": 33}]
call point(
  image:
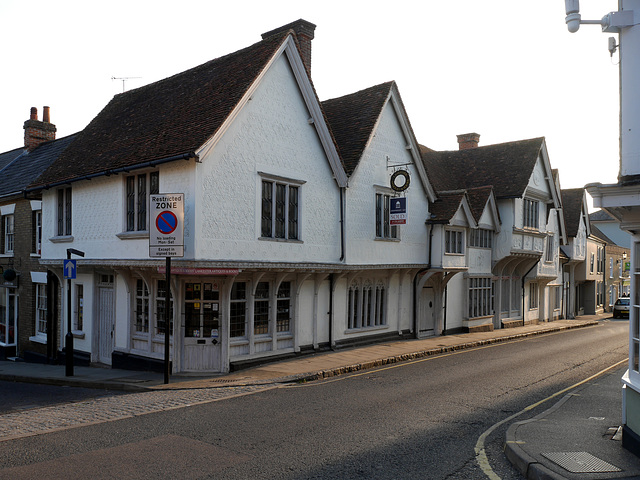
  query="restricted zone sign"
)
[{"x": 166, "y": 233}]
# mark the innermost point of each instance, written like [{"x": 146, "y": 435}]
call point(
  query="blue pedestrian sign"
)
[{"x": 69, "y": 268}]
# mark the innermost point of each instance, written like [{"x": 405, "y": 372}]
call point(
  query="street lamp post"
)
[{"x": 69, "y": 273}]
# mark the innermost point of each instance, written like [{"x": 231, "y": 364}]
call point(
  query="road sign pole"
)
[
  {"x": 167, "y": 316},
  {"x": 68, "y": 339}
]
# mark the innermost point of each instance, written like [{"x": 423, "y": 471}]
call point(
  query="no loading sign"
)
[
  {"x": 166, "y": 222},
  {"x": 166, "y": 235}
]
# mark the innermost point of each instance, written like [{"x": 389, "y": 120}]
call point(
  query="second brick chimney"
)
[
  {"x": 36, "y": 131},
  {"x": 304, "y": 32},
  {"x": 468, "y": 140}
]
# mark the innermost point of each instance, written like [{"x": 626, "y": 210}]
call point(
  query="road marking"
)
[{"x": 481, "y": 455}]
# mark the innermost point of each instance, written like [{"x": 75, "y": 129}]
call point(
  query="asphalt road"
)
[{"x": 418, "y": 419}]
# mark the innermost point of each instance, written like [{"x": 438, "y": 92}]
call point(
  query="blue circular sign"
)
[{"x": 166, "y": 222}]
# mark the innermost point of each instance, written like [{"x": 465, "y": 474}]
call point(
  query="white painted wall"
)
[{"x": 372, "y": 171}]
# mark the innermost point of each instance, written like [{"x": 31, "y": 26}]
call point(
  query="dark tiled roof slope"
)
[
  {"x": 445, "y": 207},
  {"x": 507, "y": 167},
  {"x": 572, "y": 208},
  {"x": 168, "y": 118},
  {"x": 478, "y": 198},
  {"x": 28, "y": 166},
  {"x": 7, "y": 157},
  {"x": 352, "y": 119},
  {"x": 601, "y": 216}
]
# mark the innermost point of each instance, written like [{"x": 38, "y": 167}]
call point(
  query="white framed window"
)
[
  {"x": 283, "y": 304},
  {"x": 161, "y": 302},
  {"x": 37, "y": 232},
  {"x": 549, "y": 252},
  {"x": 592, "y": 263},
  {"x": 78, "y": 320},
  {"x": 557, "y": 297},
  {"x": 481, "y": 237},
  {"x": 533, "y": 296},
  {"x": 142, "y": 307},
  {"x": 8, "y": 225},
  {"x": 280, "y": 208},
  {"x": 366, "y": 304},
  {"x": 530, "y": 213},
  {"x": 611, "y": 267},
  {"x": 238, "y": 310},
  {"x": 384, "y": 229},
  {"x": 138, "y": 188},
  {"x": 8, "y": 316},
  {"x": 454, "y": 241},
  {"x": 261, "y": 309},
  {"x": 41, "y": 309},
  {"x": 480, "y": 297},
  {"x": 63, "y": 212}
]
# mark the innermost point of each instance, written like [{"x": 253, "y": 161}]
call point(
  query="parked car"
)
[{"x": 621, "y": 308}]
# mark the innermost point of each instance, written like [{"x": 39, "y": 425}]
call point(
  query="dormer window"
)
[{"x": 530, "y": 213}]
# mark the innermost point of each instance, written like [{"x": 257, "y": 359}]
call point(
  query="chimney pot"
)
[
  {"x": 468, "y": 140},
  {"x": 304, "y": 33},
  {"x": 37, "y": 132}
]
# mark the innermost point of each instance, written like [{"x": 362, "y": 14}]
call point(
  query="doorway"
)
[{"x": 202, "y": 338}]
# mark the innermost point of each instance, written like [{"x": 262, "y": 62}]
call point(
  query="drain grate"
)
[{"x": 580, "y": 462}]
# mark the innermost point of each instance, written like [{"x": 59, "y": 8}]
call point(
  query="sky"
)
[{"x": 506, "y": 69}]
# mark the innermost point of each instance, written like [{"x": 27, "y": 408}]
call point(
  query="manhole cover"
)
[{"x": 580, "y": 462}]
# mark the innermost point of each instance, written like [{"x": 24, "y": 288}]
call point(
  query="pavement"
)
[{"x": 574, "y": 439}]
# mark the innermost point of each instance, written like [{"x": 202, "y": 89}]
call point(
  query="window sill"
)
[
  {"x": 78, "y": 334},
  {"x": 62, "y": 239},
  {"x": 39, "y": 339},
  {"x": 282, "y": 240},
  {"x": 133, "y": 235},
  {"x": 454, "y": 254},
  {"x": 6, "y": 255},
  {"x": 382, "y": 239},
  {"x": 366, "y": 329},
  {"x": 35, "y": 255}
]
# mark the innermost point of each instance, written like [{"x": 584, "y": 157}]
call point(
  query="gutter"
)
[{"x": 115, "y": 171}]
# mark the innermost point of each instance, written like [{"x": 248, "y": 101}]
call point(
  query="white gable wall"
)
[
  {"x": 372, "y": 176},
  {"x": 271, "y": 135}
]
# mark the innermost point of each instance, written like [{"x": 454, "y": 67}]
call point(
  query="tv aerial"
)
[{"x": 124, "y": 79}]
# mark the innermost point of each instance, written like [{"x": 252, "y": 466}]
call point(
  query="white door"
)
[
  {"x": 426, "y": 319},
  {"x": 202, "y": 337},
  {"x": 105, "y": 324}
]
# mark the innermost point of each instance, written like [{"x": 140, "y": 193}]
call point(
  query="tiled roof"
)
[
  {"x": 596, "y": 232},
  {"x": 601, "y": 216},
  {"x": 7, "y": 157},
  {"x": 169, "y": 118},
  {"x": 507, "y": 167},
  {"x": 572, "y": 207},
  {"x": 478, "y": 198},
  {"x": 26, "y": 167},
  {"x": 352, "y": 119},
  {"x": 445, "y": 207}
]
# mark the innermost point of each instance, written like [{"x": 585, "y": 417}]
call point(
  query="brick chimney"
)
[
  {"x": 36, "y": 131},
  {"x": 468, "y": 140},
  {"x": 304, "y": 32}
]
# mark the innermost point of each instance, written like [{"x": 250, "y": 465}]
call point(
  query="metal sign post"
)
[
  {"x": 70, "y": 272},
  {"x": 166, "y": 239}
]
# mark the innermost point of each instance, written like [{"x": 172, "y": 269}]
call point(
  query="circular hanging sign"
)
[{"x": 400, "y": 180}]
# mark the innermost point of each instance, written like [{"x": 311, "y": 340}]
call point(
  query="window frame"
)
[
  {"x": 8, "y": 234},
  {"x": 64, "y": 212},
  {"x": 137, "y": 188},
  {"x": 455, "y": 245},
  {"x": 383, "y": 228},
  {"x": 549, "y": 250},
  {"x": 480, "y": 238},
  {"x": 40, "y": 308},
  {"x": 280, "y": 210},
  {"x": 238, "y": 318},
  {"x": 530, "y": 213},
  {"x": 367, "y": 305},
  {"x": 533, "y": 296},
  {"x": 481, "y": 296}
]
